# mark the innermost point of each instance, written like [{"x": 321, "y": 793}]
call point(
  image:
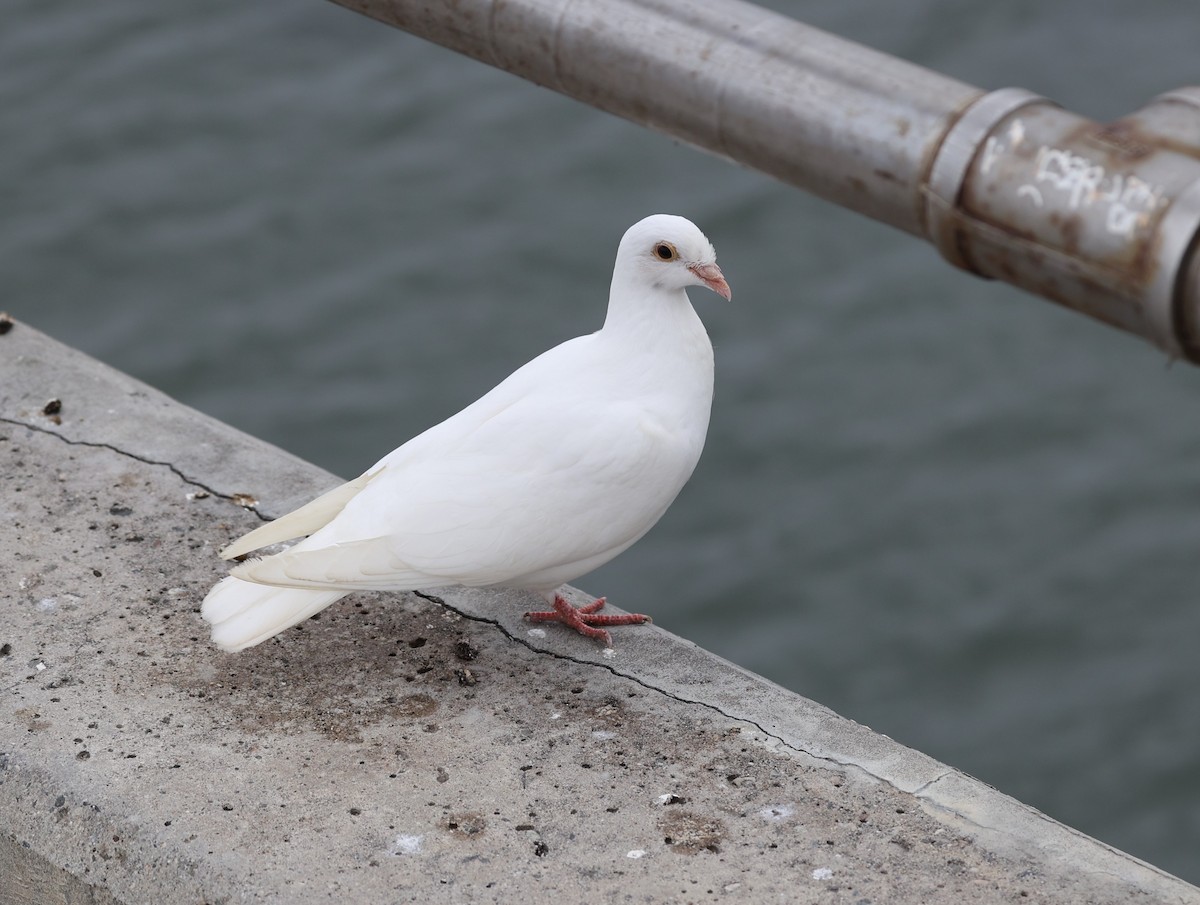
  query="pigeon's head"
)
[{"x": 669, "y": 252}]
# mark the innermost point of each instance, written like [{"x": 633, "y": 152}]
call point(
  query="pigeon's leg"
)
[{"x": 584, "y": 619}]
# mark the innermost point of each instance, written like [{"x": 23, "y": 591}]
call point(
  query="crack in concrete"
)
[
  {"x": 674, "y": 697},
  {"x": 129, "y": 455},
  {"x": 925, "y": 785},
  {"x": 920, "y": 792},
  {"x": 74, "y": 656}
]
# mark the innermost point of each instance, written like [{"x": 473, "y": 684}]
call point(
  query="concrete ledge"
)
[{"x": 406, "y": 747}]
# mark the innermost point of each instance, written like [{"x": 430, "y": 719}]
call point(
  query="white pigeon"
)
[{"x": 557, "y": 470}]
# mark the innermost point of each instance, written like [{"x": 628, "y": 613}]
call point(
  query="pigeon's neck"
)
[
  {"x": 654, "y": 318},
  {"x": 662, "y": 355}
]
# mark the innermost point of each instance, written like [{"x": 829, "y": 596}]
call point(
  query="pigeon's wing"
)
[
  {"x": 318, "y": 513},
  {"x": 547, "y": 481},
  {"x": 308, "y": 518},
  {"x": 368, "y": 564}
]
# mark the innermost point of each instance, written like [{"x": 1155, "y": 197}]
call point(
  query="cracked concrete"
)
[{"x": 412, "y": 747}]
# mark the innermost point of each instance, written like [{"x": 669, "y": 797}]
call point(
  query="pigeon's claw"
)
[{"x": 584, "y": 619}]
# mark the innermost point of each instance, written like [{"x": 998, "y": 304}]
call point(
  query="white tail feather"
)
[{"x": 244, "y": 614}]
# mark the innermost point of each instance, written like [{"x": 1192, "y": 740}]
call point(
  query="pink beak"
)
[{"x": 710, "y": 275}]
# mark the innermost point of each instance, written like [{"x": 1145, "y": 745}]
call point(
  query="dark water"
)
[{"x": 950, "y": 511}]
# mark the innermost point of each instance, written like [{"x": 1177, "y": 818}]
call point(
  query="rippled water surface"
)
[{"x": 946, "y": 509}]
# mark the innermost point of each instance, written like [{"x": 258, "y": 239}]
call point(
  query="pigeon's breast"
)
[{"x": 673, "y": 443}]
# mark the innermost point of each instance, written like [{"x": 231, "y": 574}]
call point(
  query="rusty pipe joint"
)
[{"x": 1102, "y": 218}]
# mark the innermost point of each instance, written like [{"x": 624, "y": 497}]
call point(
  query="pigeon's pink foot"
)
[{"x": 584, "y": 619}]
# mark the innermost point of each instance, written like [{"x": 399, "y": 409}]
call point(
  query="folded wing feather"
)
[{"x": 303, "y": 521}]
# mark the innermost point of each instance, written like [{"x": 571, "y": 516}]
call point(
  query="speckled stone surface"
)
[{"x": 407, "y": 747}]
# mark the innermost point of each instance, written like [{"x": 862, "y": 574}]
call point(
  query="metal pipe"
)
[
  {"x": 1104, "y": 219},
  {"x": 1101, "y": 218}
]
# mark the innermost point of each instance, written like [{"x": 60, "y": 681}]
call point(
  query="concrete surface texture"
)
[{"x": 407, "y": 747}]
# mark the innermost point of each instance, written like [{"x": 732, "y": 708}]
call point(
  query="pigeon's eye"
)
[{"x": 665, "y": 251}]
